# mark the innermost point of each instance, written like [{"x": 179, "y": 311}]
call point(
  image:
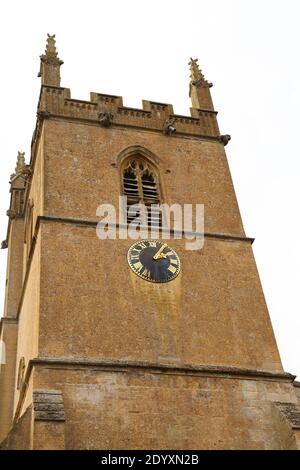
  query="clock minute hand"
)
[{"x": 157, "y": 255}]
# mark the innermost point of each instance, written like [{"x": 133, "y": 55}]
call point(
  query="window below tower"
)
[{"x": 141, "y": 187}]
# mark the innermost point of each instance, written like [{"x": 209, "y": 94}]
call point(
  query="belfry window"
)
[{"x": 141, "y": 186}]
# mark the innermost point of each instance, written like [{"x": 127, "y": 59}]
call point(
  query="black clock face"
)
[{"x": 153, "y": 260}]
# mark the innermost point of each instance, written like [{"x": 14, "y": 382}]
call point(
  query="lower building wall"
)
[
  {"x": 49, "y": 435},
  {"x": 144, "y": 409}
]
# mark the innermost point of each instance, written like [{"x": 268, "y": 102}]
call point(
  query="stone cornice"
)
[
  {"x": 140, "y": 126},
  {"x": 164, "y": 368},
  {"x": 94, "y": 223},
  {"x": 9, "y": 320}
]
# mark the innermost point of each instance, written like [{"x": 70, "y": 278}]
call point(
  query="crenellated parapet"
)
[{"x": 108, "y": 110}]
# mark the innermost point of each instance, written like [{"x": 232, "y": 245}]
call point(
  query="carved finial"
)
[
  {"x": 20, "y": 166},
  {"x": 50, "y": 64},
  {"x": 197, "y": 77},
  {"x": 20, "y": 162},
  {"x": 50, "y": 55},
  {"x": 50, "y": 51},
  {"x": 199, "y": 87}
]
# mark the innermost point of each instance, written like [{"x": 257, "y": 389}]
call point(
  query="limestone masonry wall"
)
[
  {"x": 150, "y": 410},
  {"x": 82, "y": 162},
  {"x": 213, "y": 313}
]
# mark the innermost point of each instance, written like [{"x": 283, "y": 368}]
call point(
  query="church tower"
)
[{"x": 114, "y": 343}]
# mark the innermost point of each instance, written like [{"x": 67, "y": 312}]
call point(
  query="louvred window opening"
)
[{"x": 140, "y": 185}]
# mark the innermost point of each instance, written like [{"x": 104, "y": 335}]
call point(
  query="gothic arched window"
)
[{"x": 141, "y": 186}]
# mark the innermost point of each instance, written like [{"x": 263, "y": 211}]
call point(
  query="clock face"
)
[{"x": 153, "y": 260}]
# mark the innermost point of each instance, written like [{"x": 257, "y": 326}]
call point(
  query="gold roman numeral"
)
[
  {"x": 138, "y": 266},
  {"x": 142, "y": 245},
  {"x": 172, "y": 269},
  {"x": 146, "y": 273}
]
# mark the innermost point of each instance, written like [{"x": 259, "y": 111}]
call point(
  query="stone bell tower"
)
[{"x": 134, "y": 344}]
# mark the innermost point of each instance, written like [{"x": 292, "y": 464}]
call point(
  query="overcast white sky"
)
[{"x": 140, "y": 49}]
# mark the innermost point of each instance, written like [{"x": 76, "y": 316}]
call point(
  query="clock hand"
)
[
  {"x": 164, "y": 255},
  {"x": 157, "y": 255}
]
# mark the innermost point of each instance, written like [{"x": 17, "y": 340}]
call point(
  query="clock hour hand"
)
[
  {"x": 158, "y": 254},
  {"x": 164, "y": 255}
]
